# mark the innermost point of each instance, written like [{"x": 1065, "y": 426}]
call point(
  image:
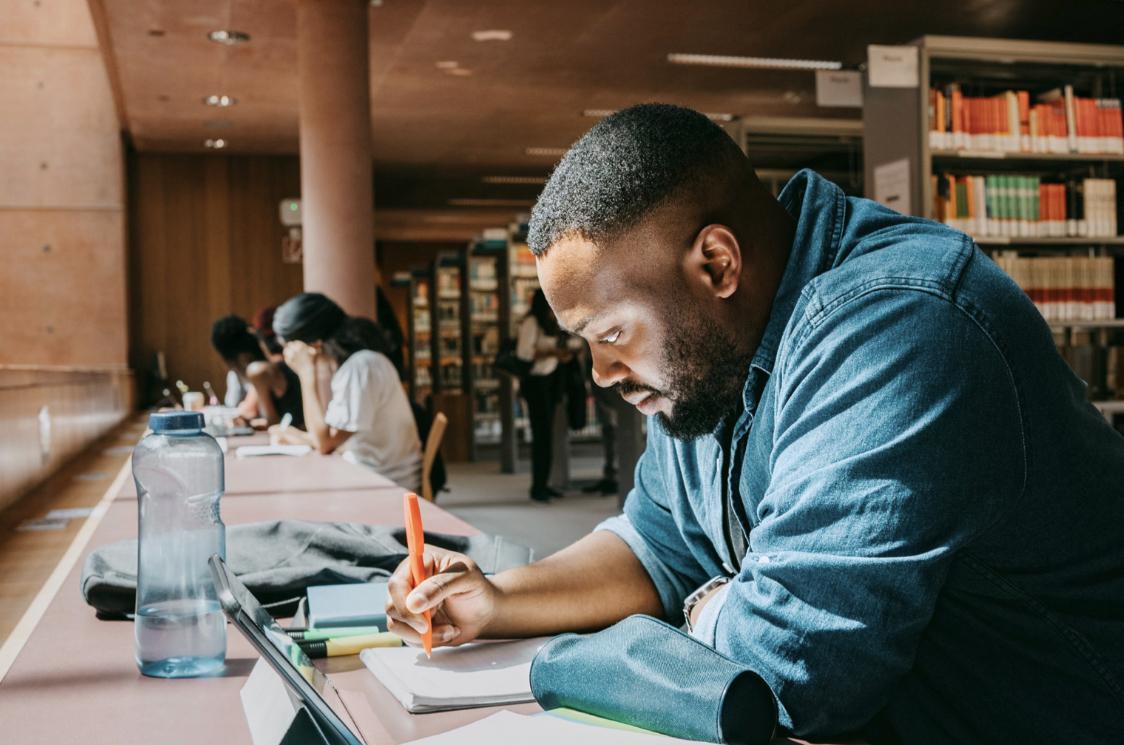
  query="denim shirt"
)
[{"x": 934, "y": 513}]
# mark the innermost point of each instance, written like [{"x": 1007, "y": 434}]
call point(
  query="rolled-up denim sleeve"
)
[
  {"x": 896, "y": 441},
  {"x": 650, "y": 530}
]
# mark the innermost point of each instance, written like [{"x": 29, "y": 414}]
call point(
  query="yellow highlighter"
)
[{"x": 349, "y": 645}]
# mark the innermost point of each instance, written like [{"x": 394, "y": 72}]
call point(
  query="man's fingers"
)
[{"x": 434, "y": 590}]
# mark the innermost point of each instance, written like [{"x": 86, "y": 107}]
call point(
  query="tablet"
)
[{"x": 284, "y": 655}]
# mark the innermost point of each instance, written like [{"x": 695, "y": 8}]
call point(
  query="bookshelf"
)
[
  {"x": 778, "y": 147},
  {"x": 1019, "y": 144},
  {"x": 449, "y": 351},
  {"x": 487, "y": 261},
  {"x": 419, "y": 325}
]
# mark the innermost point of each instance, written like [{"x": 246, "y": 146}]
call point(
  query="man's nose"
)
[{"x": 607, "y": 371}]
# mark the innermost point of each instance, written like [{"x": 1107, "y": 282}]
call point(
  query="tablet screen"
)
[{"x": 272, "y": 631}]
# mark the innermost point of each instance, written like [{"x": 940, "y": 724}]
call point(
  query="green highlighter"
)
[{"x": 315, "y": 635}]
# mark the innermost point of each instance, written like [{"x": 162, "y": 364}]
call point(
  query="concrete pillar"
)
[{"x": 335, "y": 142}]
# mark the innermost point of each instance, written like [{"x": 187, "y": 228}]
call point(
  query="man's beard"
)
[{"x": 705, "y": 373}]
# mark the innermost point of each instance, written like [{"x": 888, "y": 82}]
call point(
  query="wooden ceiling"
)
[{"x": 437, "y": 134}]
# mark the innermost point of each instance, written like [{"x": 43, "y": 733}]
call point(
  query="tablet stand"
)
[{"x": 274, "y": 716}]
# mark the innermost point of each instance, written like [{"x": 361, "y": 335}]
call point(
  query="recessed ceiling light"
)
[
  {"x": 489, "y": 202},
  {"x": 513, "y": 179},
  {"x": 216, "y": 143},
  {"x": 447, "y": 64},
  {"x": 221, "y": 101},
  {"x": 492, "y": 34},
  {"x": 554, "y": 152},
  {"x": 228, "y": 36},
  {"x": 792, "y": 97},
  {"x": 460, "y": 72},
  {"x": 761, "y": 63},
  {"x": 601, "y": 113}
]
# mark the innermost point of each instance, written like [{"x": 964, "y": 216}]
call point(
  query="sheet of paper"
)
[
  {"x": 508, "y": 727},
  {"x": 892, "y": 67},
  {"x": 253, "y": 451},
  {"x": 891, "y": 185},
  {"x": 456, "y": 677},
  {"x": 839, "y": 88}
]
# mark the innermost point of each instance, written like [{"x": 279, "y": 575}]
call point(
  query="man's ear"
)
[{"x": 715, "y": 260}]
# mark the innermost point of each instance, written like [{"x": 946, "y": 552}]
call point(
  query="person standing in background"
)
[
  {"x": 367, "y": 418},
  {"x": 538, "y": 343}
]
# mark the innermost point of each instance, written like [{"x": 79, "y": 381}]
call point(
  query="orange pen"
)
[{"x": 415, "y": 541}]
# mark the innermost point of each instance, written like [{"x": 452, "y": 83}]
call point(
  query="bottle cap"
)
[{"x": 175, "y": 421}]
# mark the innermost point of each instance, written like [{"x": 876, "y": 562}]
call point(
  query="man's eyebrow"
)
[{"x": 580, "y": 325}]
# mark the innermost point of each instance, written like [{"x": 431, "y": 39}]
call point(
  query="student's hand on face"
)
[
  {"x": 461, "y": 598},
  {"x": 301, "y": 358}
]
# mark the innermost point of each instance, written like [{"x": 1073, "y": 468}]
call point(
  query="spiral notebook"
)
[{"x": 479, "y": 674}]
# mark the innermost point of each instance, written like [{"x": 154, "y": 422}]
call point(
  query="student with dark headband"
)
[
  {"x": 368, "y": 418},
  {"x": 272, "y": 389}
]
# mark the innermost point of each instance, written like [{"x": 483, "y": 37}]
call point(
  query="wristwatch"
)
[{"x": 694, "y": 598}]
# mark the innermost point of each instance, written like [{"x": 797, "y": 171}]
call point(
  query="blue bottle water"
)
[{"x": 180, "y": 628}]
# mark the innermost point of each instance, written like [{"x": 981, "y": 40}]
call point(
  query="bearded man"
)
[{"x": 873, "y": 493}]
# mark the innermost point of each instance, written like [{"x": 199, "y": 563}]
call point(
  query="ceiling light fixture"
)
[
  {"x": 448, "y": 64},
  {"x": 220, "y": 100},
  {"x": 489, "y": 202},
  {"x": 759, "y": 63},
  {"x": 216, "y": 143},
  {"x": 714, "y": 117},
  {"x": 228, "y": 37},
  {"x": 553, "y": 152},
  {"x": 536, "y": 180},
  {"x": 493, "y": 34},
  {"x": 460, "y": 72}
]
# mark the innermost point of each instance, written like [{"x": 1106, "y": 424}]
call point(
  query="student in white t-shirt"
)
[{"x": 368, "y": 418}]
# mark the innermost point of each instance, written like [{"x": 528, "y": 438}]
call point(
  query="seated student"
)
[
  {"x": 272, "y": 389},
  {"x": 871, "y": 480},
  {"x": 368, "y": 418}
]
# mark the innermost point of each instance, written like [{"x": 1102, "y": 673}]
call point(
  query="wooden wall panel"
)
[
  {"x": 81, "y": 406},
  {"x": 205, "y": 241}
]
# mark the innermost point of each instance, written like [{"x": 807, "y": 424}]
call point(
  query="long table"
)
[{"x": 74, "y": 677}]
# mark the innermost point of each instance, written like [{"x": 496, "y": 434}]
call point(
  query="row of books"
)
[
  {"x": 1065, "y": 288},
  {"x": 1027, "y": 206},
  {"x": 1058, "y": 122}
]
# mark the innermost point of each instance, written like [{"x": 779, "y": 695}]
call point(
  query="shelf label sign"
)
[
  {"x": 839, "y": 88},
  {"x": 892, "y": 66},
  {"x": 891, "y": 185}
]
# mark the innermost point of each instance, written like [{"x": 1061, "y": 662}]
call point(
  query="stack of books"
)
[
  {"x": 1069, "y": 288},
  {"x": 1058, "y": 122},
  {"x": 1025, "y": 206}
]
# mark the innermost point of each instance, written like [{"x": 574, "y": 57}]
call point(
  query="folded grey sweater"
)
[{"x": 279, "y": 560}]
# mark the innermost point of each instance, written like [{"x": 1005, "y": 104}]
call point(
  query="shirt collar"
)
[{"x": 818, "y": 206}]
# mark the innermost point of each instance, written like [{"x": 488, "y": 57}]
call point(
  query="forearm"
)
[
  {"x": 590, "y": 585},
  {"x": 265, "y": 399},
  {"x": 314, "y": 423}
]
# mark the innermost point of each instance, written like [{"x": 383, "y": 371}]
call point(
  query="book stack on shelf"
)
[
  {"x": 1025, "y": 206},
  {"x": 484, "y": 313},
  {"x": 450, "y": 365},
  {"x": 1019, "y": 144},
  {"x": 1058, "y": 122},
  {"x": 422, "y": 352},
  {"x": 1065, "y": 288}
]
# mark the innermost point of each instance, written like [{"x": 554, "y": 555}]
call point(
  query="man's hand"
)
[
  {"x": 462, "y": 600},
  {"x": 301, "y": 358}
]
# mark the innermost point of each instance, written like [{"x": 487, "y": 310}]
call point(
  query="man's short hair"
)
[
  {"x": 627, "y": 165},
  {"x": 231, "y": 336}
]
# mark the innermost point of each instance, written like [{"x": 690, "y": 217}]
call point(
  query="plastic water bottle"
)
[{"x": 180, "y": 628}]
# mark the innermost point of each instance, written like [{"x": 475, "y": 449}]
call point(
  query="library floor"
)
[{"x": 495, "y": 503}]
